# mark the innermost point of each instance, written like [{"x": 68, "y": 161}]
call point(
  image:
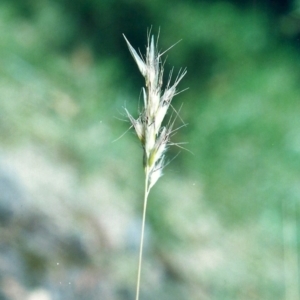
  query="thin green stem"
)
[{"x": 142, "y": 235}]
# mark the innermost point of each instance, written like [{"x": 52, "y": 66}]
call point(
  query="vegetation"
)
[{"x": 224, "y": 223}]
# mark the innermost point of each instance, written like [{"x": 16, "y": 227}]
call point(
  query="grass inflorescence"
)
[{"x": 153, "y": 135}]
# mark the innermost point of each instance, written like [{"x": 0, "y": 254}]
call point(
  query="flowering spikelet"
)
[{"x": 148, "y": 126}]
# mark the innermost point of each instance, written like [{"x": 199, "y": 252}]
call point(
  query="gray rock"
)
[{"x": 11, "y": 195}]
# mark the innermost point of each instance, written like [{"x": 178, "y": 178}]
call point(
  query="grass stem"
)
[{"x": 142, "y": 234}]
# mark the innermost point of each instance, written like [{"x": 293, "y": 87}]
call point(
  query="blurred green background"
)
[{"x": 224, "y": 221}]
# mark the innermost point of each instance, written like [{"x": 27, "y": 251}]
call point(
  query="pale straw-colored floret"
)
[{"x": 148, "y": 126}]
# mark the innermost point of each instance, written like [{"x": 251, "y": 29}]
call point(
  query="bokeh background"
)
[{"x": 224, "y": 221}]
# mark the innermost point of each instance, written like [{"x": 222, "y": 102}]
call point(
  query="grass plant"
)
[{"x": 153, "y": 135}]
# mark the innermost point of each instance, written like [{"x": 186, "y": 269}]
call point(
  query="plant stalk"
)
[{"x": 142, "y": 234}]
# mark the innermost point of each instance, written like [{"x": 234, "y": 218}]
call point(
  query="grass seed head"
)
[{"x": 148, "y": 126}]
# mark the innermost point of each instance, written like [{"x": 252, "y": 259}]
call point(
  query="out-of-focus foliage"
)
[{"x": 222, "y": 221}]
